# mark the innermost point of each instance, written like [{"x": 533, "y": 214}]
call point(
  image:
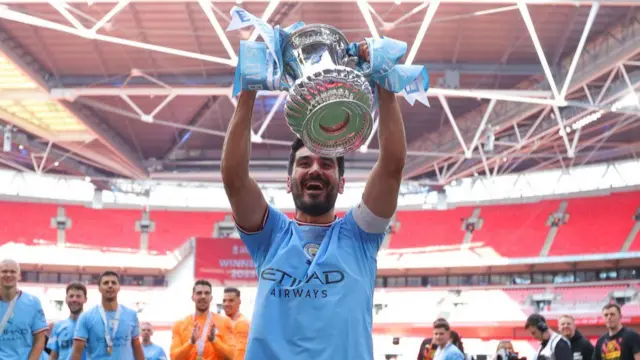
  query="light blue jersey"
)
[
  {"x": 91, "y": 329},
  {"x": 61, "y": 340},
  {"x": 26, "y": 320},
  {"x": 153, "y": 352},
  {"x": 315, "y": 289}
]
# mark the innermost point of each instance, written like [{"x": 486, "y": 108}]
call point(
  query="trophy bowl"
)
[{"x": 329, "y": 103}]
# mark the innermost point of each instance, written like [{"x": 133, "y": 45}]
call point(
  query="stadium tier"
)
[{"x": 575, "y": 226}]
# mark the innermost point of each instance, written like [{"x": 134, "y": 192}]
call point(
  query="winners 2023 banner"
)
[{"x": 223, "y": 261}]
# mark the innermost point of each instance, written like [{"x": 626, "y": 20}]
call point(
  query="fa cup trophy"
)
[
  {"x": 329, "y": 104},
  {"x": 331, "y": 91}
]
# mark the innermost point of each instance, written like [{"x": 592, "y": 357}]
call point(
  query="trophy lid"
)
[{"x": 315, "y": 34}]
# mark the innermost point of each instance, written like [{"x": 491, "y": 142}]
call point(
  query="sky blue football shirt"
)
[
  {"x": 91, "y": 329},
  {"x": 27, "y": 320},
  {"x": 153, "y": 352},
  {"x": 61, "y": 340},
  {"x": 315, "y": 289}
]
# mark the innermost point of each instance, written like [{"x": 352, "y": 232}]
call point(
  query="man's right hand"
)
[{"x": 195, "y": 333}]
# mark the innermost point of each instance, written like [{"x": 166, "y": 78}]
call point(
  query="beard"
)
[
  {"x": 314, "y": 205},
  {"x": 76, "y": 311}
]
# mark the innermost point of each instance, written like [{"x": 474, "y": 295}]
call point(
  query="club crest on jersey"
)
[{"x": 311, "y": 250}]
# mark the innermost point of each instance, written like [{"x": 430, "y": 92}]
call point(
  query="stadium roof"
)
[{"x": 141, "y": 89}]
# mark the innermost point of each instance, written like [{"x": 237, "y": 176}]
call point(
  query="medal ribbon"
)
[
  {"x": 9, "y": 313},
  {"x": 205, "y": 331},
  {"x": 110, "y": 335}
]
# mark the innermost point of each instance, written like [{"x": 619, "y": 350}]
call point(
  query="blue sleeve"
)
[
  {"x": 52, "y": 344},
  {"x": 161, "y": 354},
  {"x": 38, "y": 322},
  {"x": 259, "y": 243},
  {"x": 82, "y": 328},
  {"x": 455, "y": 355},
  {"x": 369, "y": 242},
  {"x": 135, "y": 326}
]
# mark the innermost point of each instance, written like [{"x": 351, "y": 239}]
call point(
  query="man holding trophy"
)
[{"x": 317, "y": 272}]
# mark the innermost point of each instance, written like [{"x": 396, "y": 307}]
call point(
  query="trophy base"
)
[
  {"x": 331, "y": 111},
  {"x": 337, "y": 127}
]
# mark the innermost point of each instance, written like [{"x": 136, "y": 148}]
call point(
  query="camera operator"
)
[
  {"x": 505, "y": 351},
  {"x": 427, "y": 350},
  {"x": 553, "y": 346},
  {"x": 580, "y": 346}
]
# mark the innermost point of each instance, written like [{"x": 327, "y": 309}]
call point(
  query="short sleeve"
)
[
  {"x": 597, "y": 354},
  {"x": 135, "y": 326},
  {"x": 634, "y": 341},
  {"x": 52, "y": 344},
  {"x": 82, "y": 328},
  {"x": 161, "y": 354},
  {"x": 259, "y": 243},
  {"x": 38, "y": 322},
  {"x": 369, "y": 241}
]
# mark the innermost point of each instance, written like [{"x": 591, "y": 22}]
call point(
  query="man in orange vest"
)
[
  {"x": 231, "y": 306},
  {"x": 204, "y": 335}
]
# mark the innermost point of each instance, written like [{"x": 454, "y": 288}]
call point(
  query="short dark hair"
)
[
  {"x": 441, "y": 323},
  {"x": 297, "y": 145},
  {"x": 534, "y": 320},
  {"x": 232, "y": 290},
  {"x": 201, "y": 283},
  {"x": 109, "y": 273},
  {"x": 77, "y": 286},
  {"x": 612, "y": 306}
]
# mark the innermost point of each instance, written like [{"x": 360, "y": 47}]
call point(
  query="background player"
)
[
  {"x": 116, "y": 324},
  {"x": 317, "y": 272},
  {"x": 22, "y": 322},
  {"x": 231, "y": 306},
  {"x": 203, "y": 335},
  {"x": 61, "y": 341},
  {"x": 151, "y": 350}
]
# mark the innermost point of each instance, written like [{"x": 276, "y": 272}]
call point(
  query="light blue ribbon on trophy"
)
[
  {"x": 412, "y": 81},
  {"x": 260, "y": 64}
]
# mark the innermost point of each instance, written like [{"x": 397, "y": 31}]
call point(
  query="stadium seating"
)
[
  {"x": 517, "y": 230},
  {"x": 421, "y": 228},
  {"x": 103, "y": 228},
  {"x": 596, "y": 225}
]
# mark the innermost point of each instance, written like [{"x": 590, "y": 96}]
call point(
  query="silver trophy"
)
[{"x": 329, "y": 103}]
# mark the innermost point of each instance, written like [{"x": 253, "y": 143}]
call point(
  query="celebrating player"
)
[
  {"x": 22, "y": 322},
  {"x": 61, "y": 340},
  {"x": 203, "y": 335},
  {"x": 109, "y": 330},
  {"x": 231, "y": 306},
  {"x": 316, "y": 272}
]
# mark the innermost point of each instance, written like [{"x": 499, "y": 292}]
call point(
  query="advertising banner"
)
[{"x": 223, "y": 261}]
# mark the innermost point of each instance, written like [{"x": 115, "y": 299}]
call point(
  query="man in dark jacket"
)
[{"x": 580, "y": 346}]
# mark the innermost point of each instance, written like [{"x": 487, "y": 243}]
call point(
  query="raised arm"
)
[
  {"x": 247, "y": 202},
  {"x": 383, "y": 185}
]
